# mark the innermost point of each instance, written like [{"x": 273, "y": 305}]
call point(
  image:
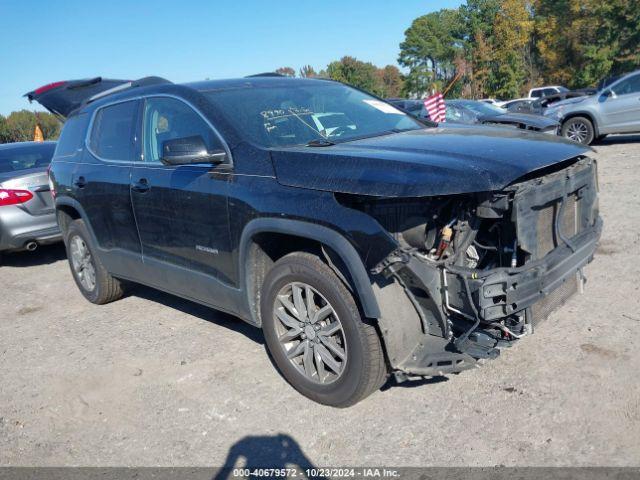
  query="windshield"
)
[
  {"x": 302, "y": 114},
  {"x": 483, "y": 108},
  {"x": 24, "y": 158}
]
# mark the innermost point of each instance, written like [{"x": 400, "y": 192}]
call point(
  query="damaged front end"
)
[{"x": 482, "y": 270}]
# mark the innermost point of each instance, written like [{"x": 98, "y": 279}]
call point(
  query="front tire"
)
[
  {"x": 579, "y": 129},
  {"x": 315, "y": 333},
  {"x": 93, "y": 280}
]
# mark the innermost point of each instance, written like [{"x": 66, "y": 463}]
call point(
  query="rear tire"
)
[
  {"x": 357, "y": 366},
  {"x": 578, "y": 129},
  {"x": 93, "y": 280}
]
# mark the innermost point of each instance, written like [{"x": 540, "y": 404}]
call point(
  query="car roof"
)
[
  {"x": 254, "y": 82},
  {"x": 202, "y": 86},
  {"x": 16, "y": 145}
]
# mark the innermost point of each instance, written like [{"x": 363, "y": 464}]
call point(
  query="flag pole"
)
[{"x": 452, "y": 83}]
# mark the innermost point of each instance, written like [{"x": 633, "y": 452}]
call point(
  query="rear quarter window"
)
[{"x": 72, "y": 136}]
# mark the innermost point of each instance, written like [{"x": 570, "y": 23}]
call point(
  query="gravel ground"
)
[{"x": 156, "y": 380}]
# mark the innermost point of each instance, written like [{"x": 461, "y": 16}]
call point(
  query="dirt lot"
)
[{"x": 155, "y": 380}]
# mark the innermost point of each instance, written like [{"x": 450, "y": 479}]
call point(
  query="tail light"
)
[
  {"x": 14, "y": 197},
  {"x": 46, "y": 88}
]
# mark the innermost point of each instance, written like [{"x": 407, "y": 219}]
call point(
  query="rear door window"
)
[{"x": 113, "y": 132}]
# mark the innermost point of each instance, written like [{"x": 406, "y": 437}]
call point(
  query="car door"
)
[
  {"x": 100, "y": 183},
  {"x": 621, "y": 108},
  {"x": 181, "y": 210}
]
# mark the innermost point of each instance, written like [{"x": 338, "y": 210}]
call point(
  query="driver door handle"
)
[{"x": 141, "y": 186}]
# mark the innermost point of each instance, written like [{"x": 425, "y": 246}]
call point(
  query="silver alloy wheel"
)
[
  {"x": 577, "y": 131},
  {"x": 82, "y": 263},
  {"x": 310, "y": 333}
]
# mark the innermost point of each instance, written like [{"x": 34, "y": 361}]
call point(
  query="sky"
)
[{"x": 187, "y": 40}]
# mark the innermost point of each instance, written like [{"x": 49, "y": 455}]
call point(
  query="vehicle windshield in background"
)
[
  {"x": 483, "y": 108},
  {"x": 306, "y": 114},
  {"x": 25, "y": 158}
]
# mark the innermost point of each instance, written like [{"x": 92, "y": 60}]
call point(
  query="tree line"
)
[
  {"x": 494, "y": 48},
  {"x": 384, "y": 82},
  {"x": 20, "y": 126},
  {"x": 502, "y": 48}
]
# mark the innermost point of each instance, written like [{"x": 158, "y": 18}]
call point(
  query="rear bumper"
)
[{"x": 17, "y": 228}]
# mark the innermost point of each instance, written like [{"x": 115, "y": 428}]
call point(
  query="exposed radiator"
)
[{"x": 541, "y": 310}]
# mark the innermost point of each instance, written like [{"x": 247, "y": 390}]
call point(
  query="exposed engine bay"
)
[{"x": 483, "y": 269}]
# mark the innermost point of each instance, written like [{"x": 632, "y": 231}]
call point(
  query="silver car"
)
[
  {"x": 27, "y": 215},
  {"x": 613, "y": 109}
]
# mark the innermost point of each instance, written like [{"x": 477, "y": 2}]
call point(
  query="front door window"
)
[{"x": 169, "y": 119}]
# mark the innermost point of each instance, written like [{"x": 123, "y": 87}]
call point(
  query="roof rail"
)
[{"x": 141, "y": 82}]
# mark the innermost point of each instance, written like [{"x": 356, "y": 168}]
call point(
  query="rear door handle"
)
[
  {"x": 141, "y": 186},
  {"x": 80, "y": 182}
]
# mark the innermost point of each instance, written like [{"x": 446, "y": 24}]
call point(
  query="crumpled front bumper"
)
[
  {"x": 505, "y": 291},
  {"x": 440, "y": 295}
]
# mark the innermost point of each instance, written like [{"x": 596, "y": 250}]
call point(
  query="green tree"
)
[
  {"x": 19, "y": 126},
  {"x": 4, "y": 131},
  {"x": 430, "y": 48},
  {"x": 353, "y": 72},
  {"x": 287, "y": 71},
  {"x": 389, "y": 82},
  {"x": 307, "y": 72},
  {"x": 512, "y": 31},
  {"x": 579, "y": 43}
]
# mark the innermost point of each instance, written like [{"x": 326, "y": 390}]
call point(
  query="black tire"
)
[
  {"x": 107, "y": 288},
  {"x": 579, "y": 129},
  {"x": 364, "y": 370}
]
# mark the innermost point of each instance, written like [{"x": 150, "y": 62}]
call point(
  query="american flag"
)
[{"x": 435, "y": 107}]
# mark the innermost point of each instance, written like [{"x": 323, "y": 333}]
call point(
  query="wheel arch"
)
[
  {"x": 67, "y": 210},
  {"x": 586, "y": 114},
  {"x": 255, "y": 261}
]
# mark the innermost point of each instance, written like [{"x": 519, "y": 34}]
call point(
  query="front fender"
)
[{"x": 324, "y": 235}]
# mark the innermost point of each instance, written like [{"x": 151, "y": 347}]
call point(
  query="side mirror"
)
[
  {"x": 188, "y": 150},
  {"x": 608, "y": 94}
]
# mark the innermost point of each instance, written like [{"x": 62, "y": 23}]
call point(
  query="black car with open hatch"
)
[{"x": 364, "y": 242}]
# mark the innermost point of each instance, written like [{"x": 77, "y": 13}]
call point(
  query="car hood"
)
[
  {"x": 531, "y": 121},
  {"x": 433, "y": 161}
]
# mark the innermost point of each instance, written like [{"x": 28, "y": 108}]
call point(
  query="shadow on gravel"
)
[
  {"x": 45, "y": 254},
  {"x": 418, "y": 382},
  {"x": 197, "y": 310},
  {"x": 260, "y": 452},
  {"x": 618, "y": 139}
]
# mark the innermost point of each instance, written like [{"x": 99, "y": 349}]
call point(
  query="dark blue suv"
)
[{"x": 362, "y": 241}]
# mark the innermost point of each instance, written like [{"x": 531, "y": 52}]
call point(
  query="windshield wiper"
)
[{"x": 320, "y": 142}]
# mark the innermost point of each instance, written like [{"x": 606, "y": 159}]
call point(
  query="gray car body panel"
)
[
  {"x": 609, "y": 113},
  {"x": 32, "y": 221}
]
